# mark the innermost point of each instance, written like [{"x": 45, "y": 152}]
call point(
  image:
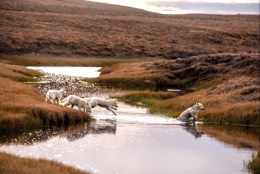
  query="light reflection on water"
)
[
  {"x": 136, "y": 142},
  {"x": 132, "y": 142},
  {"x": 87, "y": 72}
]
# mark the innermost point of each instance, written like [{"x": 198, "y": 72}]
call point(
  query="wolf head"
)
[
  {"x": 64, "y": 94},
  {"x": 87, "y": 107},
  {"x": 199, "y": 106},
  {"x": 115, "y": 102}
]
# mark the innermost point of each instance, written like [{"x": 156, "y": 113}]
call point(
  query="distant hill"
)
[{"x": 89, "y": 29}]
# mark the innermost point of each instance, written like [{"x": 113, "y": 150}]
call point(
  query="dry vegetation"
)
[
  {"x": 12, "y": 165},
  {"x": 22, "y": 107},
  {"x": 197, "y": 71},
  {"x": 207, "y": 52},
  {"x": 229, "y": 78},
  {"x": 30, "y": 60},
  {"x": 227, "y": 84},
  {"x": 83, "y": 28}
]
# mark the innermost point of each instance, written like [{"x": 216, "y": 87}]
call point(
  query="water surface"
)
[
  {"x": 137, "y": 142},
  {"x": 87, "y": 72},
  {"x": 133, "y": 142}
]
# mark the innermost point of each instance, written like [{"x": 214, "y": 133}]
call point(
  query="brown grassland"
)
[
  {"x": 227, "y": 84},
  {"x": 12, "y": 165},
  {"x": 84, "y": 28},
  {"x": 22, "y": 106},
  {"x": 215, "y": 58}
]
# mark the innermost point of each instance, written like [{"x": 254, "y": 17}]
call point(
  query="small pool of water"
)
[{"x": 87, "y": 72}]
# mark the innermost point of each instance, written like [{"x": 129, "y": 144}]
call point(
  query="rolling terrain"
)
[
  {"x": 215, "y": 55},
  {"x": 82, "y": 28}
]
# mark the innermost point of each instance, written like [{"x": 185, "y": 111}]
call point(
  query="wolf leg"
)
[{"x": 111, "y": 110}]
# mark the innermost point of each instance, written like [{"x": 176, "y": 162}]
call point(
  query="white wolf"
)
[
  {"x": 191, "y": 113},
  {"x": 55, "y": 95},
  {"x": 78, "y": 101},
  {"x": 109, "y": 104}
]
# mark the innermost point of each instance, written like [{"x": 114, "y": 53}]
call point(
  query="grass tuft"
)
[
  {"x": 253, "y": 166},
  {"x": 224, "y": 104}
]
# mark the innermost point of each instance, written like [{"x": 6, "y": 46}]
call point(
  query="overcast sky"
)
[{"x": 192, "y": 6}]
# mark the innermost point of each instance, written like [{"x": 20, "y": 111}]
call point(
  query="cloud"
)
[{"x": 207, "y": 7}]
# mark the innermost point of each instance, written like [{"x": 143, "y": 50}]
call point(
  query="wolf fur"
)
[
  {"x": 109, "y": 104},
  {"x": 55, "y": 95},
  {"x": 191, "y": 113},
  {"x": 78, "y": 101}
]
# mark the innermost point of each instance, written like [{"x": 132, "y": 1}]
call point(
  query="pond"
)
[
  {"x": 137, "y": 142},
  {"x": 87, "y": 72}
]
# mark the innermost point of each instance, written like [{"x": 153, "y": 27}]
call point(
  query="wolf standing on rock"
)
[
  {"x": 191, "y": 113},
  {"x": 55, "y": 95}
]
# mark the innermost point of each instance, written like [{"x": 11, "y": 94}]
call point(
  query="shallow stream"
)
[{"x": 136, "y": 142}]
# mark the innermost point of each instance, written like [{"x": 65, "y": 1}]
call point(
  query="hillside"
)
[
  {"x": 228, "y": 85},
  {"x": 88, "y": 29},
  {"x": 215, "y": 56},
  {"x": 23, "y": 108}
]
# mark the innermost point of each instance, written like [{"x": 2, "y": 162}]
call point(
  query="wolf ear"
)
[{"x": 196, "y": 103}]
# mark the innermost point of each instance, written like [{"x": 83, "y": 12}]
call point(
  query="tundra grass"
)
[
  {"x": 146, "y": 98},
  {"x": 19, "y": 73},
  {"x": 130, "y": 33},
  {"x": 228, "y": 107},
  {"x": 29, "y": 60},
  {"x": 232, "y": 100},
  {"x": 253, "y": 165},
  {"x": 10, "y": 164},
  {"x": 23, "y": 107},
  {"x": 130, "y": 75}
]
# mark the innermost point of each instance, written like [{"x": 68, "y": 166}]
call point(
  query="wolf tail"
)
[{"x": 64, "y": 100}]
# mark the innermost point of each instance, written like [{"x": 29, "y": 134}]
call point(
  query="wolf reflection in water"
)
[
  {"x": 100, "y": 127},
  {"x": 193, "y": 129},
  {"x": 110, "y": 126}
]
